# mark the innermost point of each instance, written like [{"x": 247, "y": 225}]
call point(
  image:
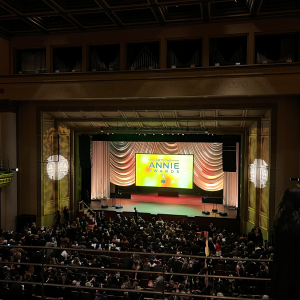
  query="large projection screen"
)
[{"x": 159, "y": 170}]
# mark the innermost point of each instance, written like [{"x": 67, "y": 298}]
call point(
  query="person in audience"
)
[
  {"x": 181, "y": 238},
  {"x": 17, "y": 289},
  {"x": 126, "y": 284},
  {"x": 211, "y": 245},
  {"x": 158, "y": 285},
  {"x": 286, "y": 265},
  {"x": 115, "y": 239},
  {"x": 240, "y": 269},
  {"x": 218, "y": 248}
]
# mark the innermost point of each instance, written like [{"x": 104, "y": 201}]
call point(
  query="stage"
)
[{"x": 184, "y": 205}]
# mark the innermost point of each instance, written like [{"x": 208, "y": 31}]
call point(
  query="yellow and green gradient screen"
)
[{"x": 160, "y": 170}]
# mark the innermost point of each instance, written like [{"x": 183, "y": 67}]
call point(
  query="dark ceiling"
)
[{"x": 23, "y": 17}]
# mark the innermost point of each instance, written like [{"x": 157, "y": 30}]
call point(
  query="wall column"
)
[
  {"x": 8, "y": 144},
  {"x": 4, "y": 52}
]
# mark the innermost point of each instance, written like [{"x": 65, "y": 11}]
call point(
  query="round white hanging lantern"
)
[
  {"x": 259, "y": 173},
  {"x": 57, "y": 167}
]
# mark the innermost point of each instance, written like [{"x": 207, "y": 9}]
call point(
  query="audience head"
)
[{"x": 288, "y": 210}]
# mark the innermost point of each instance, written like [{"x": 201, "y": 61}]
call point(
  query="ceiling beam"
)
[
  {"x": 55, "y": 6},
  {"x": 109, "y": 12},
  {"x": 218, "y": 130},
  {"x": 157, "y": 12},
  {"x": 178, "y": 119},
  {"x": 205, "y": 10},
  {"x": 255, "y": 7}
]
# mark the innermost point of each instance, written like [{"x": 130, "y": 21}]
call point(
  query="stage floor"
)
[{"x": 185, "y": 205}]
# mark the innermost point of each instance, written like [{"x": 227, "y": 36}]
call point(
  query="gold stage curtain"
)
[
  {"x": 208, "y": 172},
  {"x": 231, "y": 183},
  {"x": 100, "y": 179},
  {"x": 122, "y": 160},
  {"x": 208, "y": 166}
]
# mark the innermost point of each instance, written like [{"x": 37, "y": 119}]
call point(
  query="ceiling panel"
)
[
  {"x": 229, "y": 123},
  {"x": 171, "y": 124},
  {"x": 228, "y": 8},
  {"x": 52, "y": 22},
  {"x": 188, "y": 113},
  {"x": 93, "y": 19},
  {"x": 129, "y": 114},
  {"x": 17, "y": 26},
  {"x": 83, "y": 124},
  {"x": 141, "y": 15},
  {"x": 152, "y": 124},
  {"x": 189, "y": 124},
  {"x": 29, "y": 6},
  {"x": 4, "y": 12},
  {"x": 99, "y": 124},
  {"x": 54, "y": 114},
  {"x": 209, "y": 124},
  {"x": 180, "y": 12},
  {"x": 134, "y": 124},
  {"x": 230, "y": 112},
  {"x": 76, "y": 4},
  {"x": 209, "y": 113},
  {"x": 110, "y": 113},
  {"x": 149, "y": 114},
  {"x": 279, "y": 5},
  {"x": 168, "y": 114},
  {"x": 75, "y": 114},
  {"x": 114, "y": 3},
  {"x": 255, "y": 113},
  {"x": 92, "y": 114}
]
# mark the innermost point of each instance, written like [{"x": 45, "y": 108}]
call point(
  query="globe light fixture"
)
[
  {"x": 259, "y": 173},
  {"x": 57, "y": 167}
]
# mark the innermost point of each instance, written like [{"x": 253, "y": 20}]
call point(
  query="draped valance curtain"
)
[{"x": 119, "y": 165}]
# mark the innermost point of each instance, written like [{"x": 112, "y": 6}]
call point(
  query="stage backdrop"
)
[{"x": 208, "y": 168}]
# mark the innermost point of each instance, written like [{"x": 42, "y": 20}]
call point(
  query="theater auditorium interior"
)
[{"x": 182, "y": 109}]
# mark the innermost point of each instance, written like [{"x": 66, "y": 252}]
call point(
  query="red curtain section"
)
[{"x": 208, "y": 172}]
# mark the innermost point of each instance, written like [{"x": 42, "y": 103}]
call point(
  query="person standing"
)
[
  {"x": 136, "y": 214},
  {"x": 66, "y": 212},
  {"x": 98, "y": 219},
  {"x": 286, "y": 264},
  {"x": 57, "y": 218},
  {"x": 211, "y": 230}
]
